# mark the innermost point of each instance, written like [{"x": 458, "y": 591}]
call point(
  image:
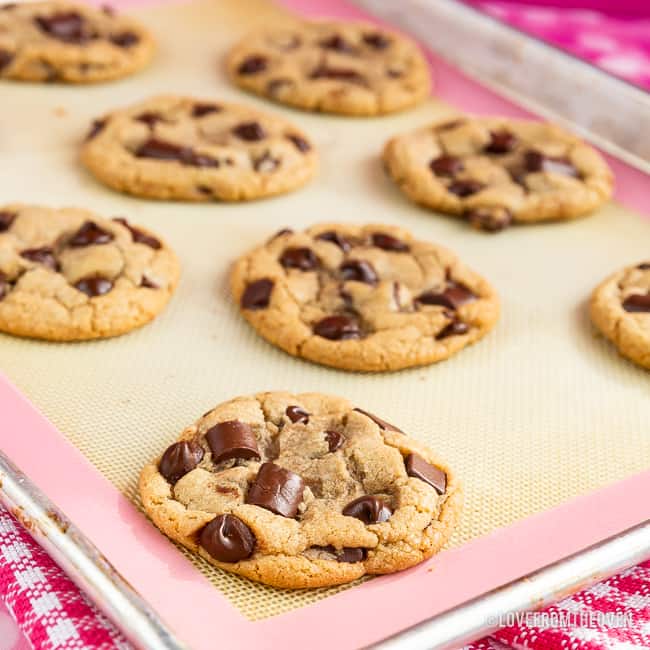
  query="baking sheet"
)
[{"x": 537, "y": 413}]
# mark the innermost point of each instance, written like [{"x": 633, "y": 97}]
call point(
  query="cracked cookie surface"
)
[
  {"x": 498, "y": 171},
  {"x": 63, "y": 41},
  {"x": 172, "y": 147},
  {"x": 367, "y": 298},
  {"x": 620, "y": 309},
  {"x": 335, "y": 67},
  {"x": 69, "y": 275},
  {"x": 301, "y": 491}
]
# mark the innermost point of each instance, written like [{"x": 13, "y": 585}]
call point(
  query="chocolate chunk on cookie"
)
[
  {"x": 495, "y": 171},
  {"x": 335, "y": 67},
  {"x": 330, "y": 494},
  {"x": 70, "y": 275},
  {"x": 67, "y": 42},
  {"x": 620, "y": 310},
  {"x": 172, "y": 147},
  {"x": 367, "y": 298}
]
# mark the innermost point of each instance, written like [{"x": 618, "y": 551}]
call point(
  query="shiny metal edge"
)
[
  {"x": 82, "y": 561},
  {"x": 479, "y": 617},
  {"x": 611, "y": 113}
]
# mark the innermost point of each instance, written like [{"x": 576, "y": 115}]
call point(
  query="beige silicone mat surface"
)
[{"x": 537, "y": 413}]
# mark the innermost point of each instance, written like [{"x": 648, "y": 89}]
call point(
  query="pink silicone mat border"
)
[{"x": 353, "y": 618}]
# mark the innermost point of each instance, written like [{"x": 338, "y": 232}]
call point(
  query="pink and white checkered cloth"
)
[{"x": 53, "y": 614}]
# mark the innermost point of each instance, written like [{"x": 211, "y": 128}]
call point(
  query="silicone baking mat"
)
[{"x": 539, "y": 412}]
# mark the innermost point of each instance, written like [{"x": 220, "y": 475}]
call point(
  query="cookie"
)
[
  {"x": 498, "y": 171},
  {"x": 366, "y": 298},
  {"x": 171, "y": 147},
  {"x": 301, "y": 491},
  {"x": 69, "y": 275},
  {"x": 63, "y": 41},
  {"x": 335, "y": 67},
  {"x": 620, "y": 309}
]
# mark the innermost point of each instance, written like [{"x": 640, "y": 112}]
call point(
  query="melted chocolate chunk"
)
[
  {"x": 149, "y": 118},
  {"x": 232, "y": 439},
  {"x": 358, "y": 271},
  {"x": 96, "y": 128},
  {"x": 452, "y": 297},
  {"x": 389, "y": 243},
  {"x": 324, "y": 71},
  {"x": 179, "y": 459},
  {"x": 94, "y": 285},
  {"x": 417, "y": 467},
  {"x": 338, "y": 44},
  {"x": 6, "y": 58},
  {"x": 637, "y": 302},
  {"x": 338, "y": 328},
  {"x": 67, "y": 26},
  {"x": 376, "y": 40},
  {"x": 257, "y": 294},
  {"x": 161, "y": 150},
  {"x": 6, "y": 219},
  {"x": 346, "y": 554},
  {"x": 370, "y": 510},
  {"x": 199, "y": 110},
  {"x": 125, "y": 39},
  {"x": 335, "y": 238},
  {"x": 90, "y": 234},
  {"x": 489, "y": 219},
  {"x": 253, "y": 65},
  {"x": 334, "y": 440},
  {"x": 277, "y": 489},
  {"x": 446, "y": 165},
  {"x": 139, "y": 236},
  {"x": 465, "y": 188},
  {"x": 534, "y": 161},
  {"x": 299, "y": 258},
  {"x": 250, "y": 131},
  {"x": 382, "y": 424},
  {"x": 299, "y": 142},
  {"x": 455, "y": 328},
  {"x": 297, "y": 414},
  {"x": 644, "y": 266},
  {"x": 44, "y": 256},
  {"x": 501, "y": 142},
  {"x": 146, "y": 283},
  {"x": 228, "y": 539}
]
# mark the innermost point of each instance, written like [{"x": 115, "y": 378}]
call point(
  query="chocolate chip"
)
[
  {"x": 452, "y": 297},
  {"x": 465, "y": 188},
  {"x": 334, "y": 440},
  {"x": 94, "y": 285},
  {"x": 257, "y": 295},
  {"x": 376, "y": 40},
  {"x": 351, "y": 555},
  {"x": 299, "y": 142},
  {"x": 339, "y": 74},
  {"x": 644, "y": 266},
  {"x": 90, "y": 234},
  {"x": 446, "y": 165},
  {"x": 249, "y": 131},
  {"x": 95, "y": 128},
  {"x": 338, "y": 328},
  {"x": 417, "y": 467},
  {"x": 179, "y": 459},
  {"x": 44, "y": 256},
  {"x": 489, "y": 219},
  {"x": 297, "y": 414},
  {"x": 382, "y": 424},
  {"x": 68, "y": 26},
  {"x": 335, "y": 238},
  {"x": 277, "y": 489},
  {"x": 199, "y": 110},
  {"x": 139, "y": 236},
  {"x": 6, "y": 219},
  {"x": 146, "y": 283},
  {"x": 370, "y": 510},
  {"x": 534, "y": 161},
  {"x": 253, "y": 65},
  {"x": 265, "y": 163},
  {"x": 299, "y": 258},
  {"x": 125, "y": 39},
  {"x": 637, "y": 302},
  {"x": 455, "y": 328},
  {"x": 389, "y": 243},
  {"x": 6, "y": 58},
  {"x": 501, "y": 142},
  {"x": 232, "y": 439},
  {"x": 228, "y": 539},
  {"x": 358, "y": 271},
  {"x": 149, "y": 118},
  {"x": 338, "y": 44},
  {"x": 161, "y": 150}
]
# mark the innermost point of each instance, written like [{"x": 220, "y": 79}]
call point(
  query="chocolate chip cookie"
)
[
  {"x": 367, "y": 298},
  {"x": 301, "y": 491},
  {"x": 63, "y": 41},
  {"x": 171, "y": 147},
  {"x": 497, "y": 171},
  {"x": 620, "y": 309},
  {"x": 69, "y": 275},
  {"x": 335, "y": 67}
]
